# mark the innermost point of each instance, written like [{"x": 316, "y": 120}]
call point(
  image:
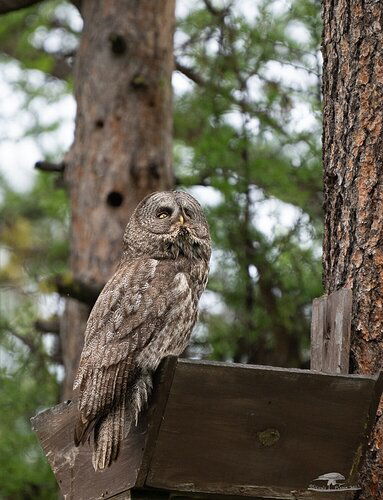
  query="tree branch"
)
[
  {"x": 12, "y": 5},
  {"x": 189, "y": 73},
  {"x": 50, "y": 325},
  {"x": 61, "y": 68},
  {"x": 76, "y": 289},
  {"x": 77, "y": 3},
  {"x": 47, "y": 166},
  {"x": 27, "y": 341},
  {"x": 33, "y": 347},
  {"x": 244, "y": 105},
  {"x": 217, "y": 12}
]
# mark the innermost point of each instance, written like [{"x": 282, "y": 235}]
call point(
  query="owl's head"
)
[{"x": 168, "y": 224}]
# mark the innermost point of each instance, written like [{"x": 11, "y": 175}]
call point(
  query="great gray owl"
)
[{"x": 145, "y": 312}]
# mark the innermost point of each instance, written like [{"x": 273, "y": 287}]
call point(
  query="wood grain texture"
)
[
  {"x": 73, "y": 466},
  {"x": 164, "y": 382},
  {"x": 218, "y": 430},
  {"x": 330, "y": 332},
  {"x": 151, "y": 494},
  {"x": 353, "y": 186},
  {"x": 213, "y": 435}
]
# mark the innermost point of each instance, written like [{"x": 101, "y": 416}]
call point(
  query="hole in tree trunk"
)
[
  {"x": 117, "y": 43},
  {"x": 114, "y": 199}
]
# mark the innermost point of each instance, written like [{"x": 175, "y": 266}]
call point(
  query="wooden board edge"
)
[
  {"x": 183, "y": 492},
  {"x": 342, "y": 300},
  {"x": 318, "y": 319},
  {"x": 163, "y": 382},
  {"x": 41, "y": 417},
  {"x": 267, "y": 368}
]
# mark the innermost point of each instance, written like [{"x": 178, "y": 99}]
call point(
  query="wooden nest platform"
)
[{"x": 227, "y": 431}]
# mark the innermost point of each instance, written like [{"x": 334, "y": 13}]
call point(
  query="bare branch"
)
[
  {"x": 217, "y": 12},
  {"x": 27, "y": 341},
  {"x": 33, "y": 347},
  {"x": 76, "y": 289},
  {"x": 244, "y": 105},
  {"x": 297, "y": 66},
  {"x": 61, "y": 68},
  {"x": 77, "y": 3},
  {"x": 12, "y": 5},
  {"x": 50, "y": 325},
  {"x": 210, "y": 7},
  {"x": 47, "y": 166},
  {"x": 189, "y": 73}
]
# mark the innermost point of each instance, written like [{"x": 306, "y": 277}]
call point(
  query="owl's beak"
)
[{"x": 181, "y": 219}]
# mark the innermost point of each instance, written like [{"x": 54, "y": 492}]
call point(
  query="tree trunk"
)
[
  {"x": 353, "y": 183},
  {"x": 122, "y": 146}
]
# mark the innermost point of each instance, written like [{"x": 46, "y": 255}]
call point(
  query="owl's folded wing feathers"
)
[{"x": 130, "y": 311}]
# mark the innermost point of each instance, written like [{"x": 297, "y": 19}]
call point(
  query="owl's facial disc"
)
[{"x": 168, "y": 224}]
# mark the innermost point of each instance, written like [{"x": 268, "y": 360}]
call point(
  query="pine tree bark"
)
[
  {"x": 122, "y": 145},
  {"x": 353, "y": 184}
]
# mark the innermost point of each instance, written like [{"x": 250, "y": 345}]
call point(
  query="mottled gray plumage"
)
[{"x": 145, "y": 312}]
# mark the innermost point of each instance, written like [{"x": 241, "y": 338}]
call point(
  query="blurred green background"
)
[{"x": 247, "y": 144}]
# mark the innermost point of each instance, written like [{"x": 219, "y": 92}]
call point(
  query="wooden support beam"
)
[{"x": 331, "y": 332}]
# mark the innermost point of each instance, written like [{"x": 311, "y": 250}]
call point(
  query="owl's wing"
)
[{"x": 130, "y": 310}]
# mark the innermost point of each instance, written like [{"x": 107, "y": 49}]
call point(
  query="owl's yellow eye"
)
[{"x": 162, "y": 215}]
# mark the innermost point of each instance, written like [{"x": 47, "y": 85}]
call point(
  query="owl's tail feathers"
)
[
  {"x": 110, "y": 429},
  {"x": 139, "y": 395},
  {"x": 82, "y": 430},
  {"x": 108, "y": 434}
]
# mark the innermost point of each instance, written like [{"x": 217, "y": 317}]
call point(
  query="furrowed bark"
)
[
  {"x": 353, "y": 179},
  {"x": 122, "y": 146}
]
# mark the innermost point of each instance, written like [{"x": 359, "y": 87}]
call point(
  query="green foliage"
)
[
  {"x": 33, "y": 239},
  {"x": 242, "y": 129},
  {"x": 27, "y": 386},
  {"x": 33, "y": 242},
  {"x": 26, "y": 35},
  {"x": 33, "y": 232}
]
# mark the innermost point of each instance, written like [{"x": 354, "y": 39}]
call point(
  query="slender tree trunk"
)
[
  {"x": 353, "y": 179},
  {"x": 122, "y": 146}
]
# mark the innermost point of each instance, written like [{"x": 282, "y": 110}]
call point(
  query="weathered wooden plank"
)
[
  {"x": 330, "y": 332},
  {"x": 156, "y": 410},
  {"x": 228, "y": 431},
  {"x": 174, "y": 495},
  {"x": 257, "y": 431},
  {"x": 337, "y": 495},
  {"x": 73, "y": 466},
  {"x": 142, "y": 495},
  {"x": 126, "y": 495},
  {"x": 318, "y": 328}
]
